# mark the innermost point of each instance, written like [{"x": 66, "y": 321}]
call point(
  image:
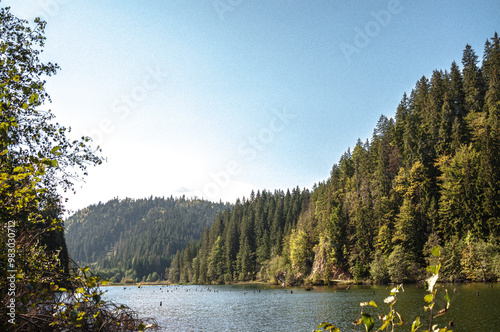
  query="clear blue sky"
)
[{"x": 214, "y": 98}]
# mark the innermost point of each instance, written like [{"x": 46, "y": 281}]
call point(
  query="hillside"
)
[
  {"x": 429, "y": 176},
  {"x": 136, "y": 237}
]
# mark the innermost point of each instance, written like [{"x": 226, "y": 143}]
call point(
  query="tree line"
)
[{"x": 429, "y": 176}]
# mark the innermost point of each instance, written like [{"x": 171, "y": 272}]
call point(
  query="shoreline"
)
[{"x": 334, "y": 283}]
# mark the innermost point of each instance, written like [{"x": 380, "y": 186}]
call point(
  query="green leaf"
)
[
  {"x": 432, "y": 269},
  {"x": 33, "y": 98},
  {"x": 328, "y": 327},
  {"x": 371, "y": 303},
  {"x": 80, "y": 290},
  {"x": 436, "y": 251},
  {"x": 428, "y": 298},
  {"x": 51, "y": 162},
  {"x": 55, "y": 149},
  {"x": 368, "y": 321},
  {"x": 416, "y": 324}
]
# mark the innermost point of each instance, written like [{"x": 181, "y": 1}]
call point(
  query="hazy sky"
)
[{"x": 214, "y": 98}]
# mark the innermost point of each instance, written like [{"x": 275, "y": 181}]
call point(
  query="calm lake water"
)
[{"x": 259, "y": 308}]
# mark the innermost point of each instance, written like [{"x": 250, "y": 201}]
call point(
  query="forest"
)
[
  {"x": 429, "y": 176},
  {"x": 133, "y": 240}
]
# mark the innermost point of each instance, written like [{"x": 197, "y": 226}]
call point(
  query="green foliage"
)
[
  {"x": 36, "y": 160},
  {"x": 430, "y": 174}
]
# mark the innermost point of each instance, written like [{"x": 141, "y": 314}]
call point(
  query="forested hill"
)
[
  {"x": 429, "y": 176},
  {"x": 136, "y": 237}
]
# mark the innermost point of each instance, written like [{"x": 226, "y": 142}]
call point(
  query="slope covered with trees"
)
[
  {"x": 243, "y": 240},
  {"x": 136, "y": 238},
  {"x": 429, "y": 176}
]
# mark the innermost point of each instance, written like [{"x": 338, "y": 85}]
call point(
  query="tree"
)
[
  {"x": 36, "y": 159},
  {"x": 216, "y": 262},
  {"x": 410, "y": 223},
  {"x": 460, "y": 196},
  {"x": 473, "y": 81},
  {"x": 299, "y": 250}
]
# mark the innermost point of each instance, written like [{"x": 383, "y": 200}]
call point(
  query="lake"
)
[{"x": 266, "y": 308}]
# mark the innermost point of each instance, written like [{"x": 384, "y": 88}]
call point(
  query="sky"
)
[{"x": 216, "y": 98}]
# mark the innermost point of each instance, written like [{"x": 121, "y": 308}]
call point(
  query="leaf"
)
[
  {"x": 432, "y": 269},
  {"x": 436, "y": 251},
  {"x": 386, "y": 323},
  {"x": 416, "y": 324},
  {"x": 371, "y": 303},
  {"x": 55, "y": 149},
  {"x": 401, "y": 322},
  {"x": 80, "y": 290},
  {"x": 328, "y": 327},
  {"x": 368, "y": 321},
  {"x": 447, "y": 296},
  {"x": 51, "y": 162},
  {"x": 428, "y": 298},
  {"x": 33, "y": 98}
]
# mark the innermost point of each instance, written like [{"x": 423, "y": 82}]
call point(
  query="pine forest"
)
[{"x": 429, "y": 175}]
